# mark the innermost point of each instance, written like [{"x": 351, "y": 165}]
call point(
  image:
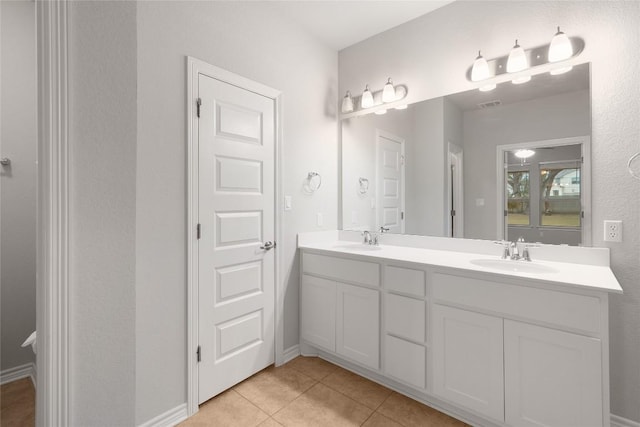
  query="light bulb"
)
[
  {"x": 560, "y": 47},
  {"x": 367, "y": 98},
  {"x": 517, "y": 60},
  {"x": 520, "y": 80},
  {"x": 380, "y": 112},
  {"x": 388, "y": 92},
  {"x": 487, "y": 88},
  {"x": 347, "y": 103},
  {"x": 480, "y": 70}
]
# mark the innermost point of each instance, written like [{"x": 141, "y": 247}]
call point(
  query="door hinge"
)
[
  {"x": 198, "y": 228},
  {"x": 453, "y": 212},
  {"x": 402, "y": 159},
  {"x": 506, "y": 213},
  {"x": 199, "y": 354},
  {"x": 401, "y": 215},
  {"x": 198, "y": 105}
]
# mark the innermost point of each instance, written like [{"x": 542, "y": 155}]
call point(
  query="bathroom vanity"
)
[{"x": 449, "y": 323}]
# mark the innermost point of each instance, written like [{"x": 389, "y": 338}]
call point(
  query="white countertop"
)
[{"x": 574, "y": 275}]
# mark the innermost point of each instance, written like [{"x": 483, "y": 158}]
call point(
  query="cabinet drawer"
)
[
  {"x": 405, "y": 317},
  {"x": 405, "y": 361},
  {"x": 344, "y": 270},
  {"x": 405, "y": 280},
  {"x": 578, "y": 312}
]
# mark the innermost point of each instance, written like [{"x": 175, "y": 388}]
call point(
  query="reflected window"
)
[
  {"x": 560, "y": 203},
  {"x": 518, "y": 198}
]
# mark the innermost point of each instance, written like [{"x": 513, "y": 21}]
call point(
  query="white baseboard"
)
[
  {"x": 169, "y": 419},
  {"x": 617, "y": 421},
  {"x": 291, "y": 353},
  {"x": 28, "y": 370}
]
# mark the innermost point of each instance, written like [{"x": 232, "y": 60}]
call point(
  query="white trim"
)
[
  {"x": 195, "y": 67},
  {"x": 28, "y": 370},
  {"x": 455, "y": 151},
  {"x": 585, "y": 174},
  {"x": 52, "y": 300},
  {"x": 618, "y": 421},
  {"x": 168, "y": 419},
  {"x": 291, "y": 353}
]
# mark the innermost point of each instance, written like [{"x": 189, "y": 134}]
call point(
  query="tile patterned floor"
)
[
  {"x": 308, "y": 392},
  {"x": 17, "y": 404}
]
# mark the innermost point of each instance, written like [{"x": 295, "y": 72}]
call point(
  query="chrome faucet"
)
[{"x": 367, "y": 237}]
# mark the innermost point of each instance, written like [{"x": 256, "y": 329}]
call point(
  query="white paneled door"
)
[
  {"x": 236, "y": 135},
  {"x": 390, "y": 181}
]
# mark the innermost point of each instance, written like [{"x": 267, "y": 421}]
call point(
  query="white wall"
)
[
  {"x": 552, "y": 117},
  {"x": 432, "y": 54},
  {"x": 253, "y": 40},
  {"x": 102, "y": 158},
  {"x": 18, "y": 141}
]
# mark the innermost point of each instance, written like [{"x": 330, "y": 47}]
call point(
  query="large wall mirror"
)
[{"x": 504, "y": 164}]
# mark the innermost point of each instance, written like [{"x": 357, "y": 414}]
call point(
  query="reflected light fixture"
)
[
  {"x": 367, "y": 98},
  {"x": 402, "y": 107},
  {"x": 480, "y": 70},
  {"x": 380, "y": 112},
  {"x": 524, "y": 153},
  {"x": 347, "y": 103},
  {"x": 388, "y": 92},
  {"x": 487, "y": 87}
]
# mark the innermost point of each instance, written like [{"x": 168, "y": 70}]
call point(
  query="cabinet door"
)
[
  {"x": 318, "y": 312},
  {"x": 358, "y": 324},
  {"x": 552, "y": 378},
  {"x": 468, "y": 360}
]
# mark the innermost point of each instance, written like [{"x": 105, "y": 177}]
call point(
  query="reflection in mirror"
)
[{"x": 433, "y": 168}]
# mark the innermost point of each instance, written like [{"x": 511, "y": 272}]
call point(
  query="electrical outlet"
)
[{"x": 612, "y": 231}]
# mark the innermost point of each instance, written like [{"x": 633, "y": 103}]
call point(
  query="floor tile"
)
[
  {"x": 322, "y": 406},
  {"x": 228, "y": 409},
  {"x": 358, "y": 388},
  {"x": 273, "y": 388},
  {"x": 378, "y": 420},
  {"x": 315, "y": 367},
  {"x": 270, "y": 422},
  {"x": 17, "y": 400},
  {"x": 410, "y": 413}
]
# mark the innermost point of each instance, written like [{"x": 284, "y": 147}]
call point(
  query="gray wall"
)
[
  {"x": 18, "y": 141},
  {"x": 102, "y": 140},
  {"x": 553, "y": 117},
  {"x": 255, "y": 41},
  {"x": 432, "y": 54}
]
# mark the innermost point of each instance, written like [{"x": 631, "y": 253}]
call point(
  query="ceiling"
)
[{"x": 340, "y": 24}]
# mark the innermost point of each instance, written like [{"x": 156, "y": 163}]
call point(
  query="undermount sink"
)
[
  {"x": 513, "y": 266},
  {"x": 358, "y": 247}
]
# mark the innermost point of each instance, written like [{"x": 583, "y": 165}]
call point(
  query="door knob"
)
[
  {"x": 268, "y": 245},
  {"x": 5, "y": 161}
]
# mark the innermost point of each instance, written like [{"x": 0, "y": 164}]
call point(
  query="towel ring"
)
[
  {"x": 633, "y": 173},
  {"x": 313, "y": 182}
]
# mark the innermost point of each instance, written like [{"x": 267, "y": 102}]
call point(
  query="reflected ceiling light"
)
[
  {"x": 524, "y": 153},
  {"x": 488, "y": 87},
  {"x": 380, "y": 112},
  {"x": 561, "y": 70},
  {"x": 388, "y": 92},
  {"x": 367, "y": 98},
  {"x": 480, "y": 70},
  {"x": 517, "y": 60},
  {"x": 402, "y": 107},
  {"x": 521, "y": 80},
  {"x": 560, "y": 47},
  {"x": 347, "y": 103}
]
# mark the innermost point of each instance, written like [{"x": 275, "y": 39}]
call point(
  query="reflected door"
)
[
  {"x": 390, "y": 182},
  {"x": 236, "y": 214}
]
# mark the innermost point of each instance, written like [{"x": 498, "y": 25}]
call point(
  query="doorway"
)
[
  {"x": 234, "y": 305},
  {"x": 390, "y": 182}
]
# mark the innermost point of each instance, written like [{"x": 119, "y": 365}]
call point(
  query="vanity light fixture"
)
[
  {"x": 367, "y": 98},
  {"x": 480, "y": 70},
  {"x": 347, "y": 103},
  {"x": 388, "y": 92},
  {"x": 517, "y": 59},
  {"x": 559, "y": 50},
  {"x": 524, "y": 153}
]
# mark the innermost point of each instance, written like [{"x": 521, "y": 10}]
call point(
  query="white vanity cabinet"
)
[
  {"x": 511, "y": 352},
  {"x": 495, "y": 349},
  {"x": 337, "y": 316}
]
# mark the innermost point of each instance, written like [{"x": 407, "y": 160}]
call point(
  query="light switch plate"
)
[{"x": 287, "y": 203}]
